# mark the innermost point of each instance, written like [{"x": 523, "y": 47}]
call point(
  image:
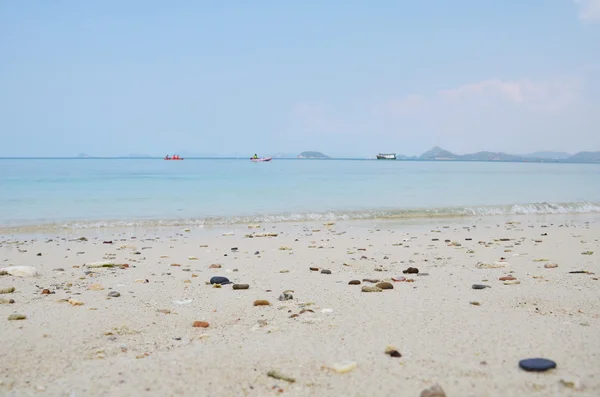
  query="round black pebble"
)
[
  {"x": 219, "y": 280},
  {"x": 537, "y": 364}
]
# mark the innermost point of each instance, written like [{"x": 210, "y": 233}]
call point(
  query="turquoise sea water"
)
[{"x": 98, "y": 192}]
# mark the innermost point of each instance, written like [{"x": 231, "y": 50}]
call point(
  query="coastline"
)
[{"x": 143, "y": 341}]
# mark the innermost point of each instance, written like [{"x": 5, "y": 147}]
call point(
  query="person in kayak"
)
[{"x": 255, "y": 156}]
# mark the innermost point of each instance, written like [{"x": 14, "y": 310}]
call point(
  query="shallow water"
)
[{"x": 102, "y": 192}]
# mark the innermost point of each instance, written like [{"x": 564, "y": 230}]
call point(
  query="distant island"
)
[
  {"x": 439, "y": 154},
  {"x": 312, "y": 155}
]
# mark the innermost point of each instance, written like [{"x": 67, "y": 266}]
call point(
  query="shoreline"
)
[
  {"x": 143, "y": 341},
  {"x": 401, "y": 216}
]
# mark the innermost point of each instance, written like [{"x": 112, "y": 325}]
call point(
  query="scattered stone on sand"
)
[
  {"x": 21, "y": 271},
  {"x": 286, "y": 295},
  {"x": 262, "y": 302},
  {"x": 550, "y": 265},
  {"x": 215, "y": 266},
  {"x": 433, "y": 391},
  {"x": 507, "y": 278},
  {"x": 46, "y": 291},
  {"x": 537, "y": 364},
  {"x": 392, "y": 351},
  {"x": 278, "y": 375},
  {"x": 512, "y": 282},
  {"x": 241, "y": 286},
  {"x": 219, "y": 280},
  {"x": 475, "y": 303},
  {"x": 95, "y": 287},
  {"x": 343, "y": 367},
  {"x": 371, "y": 280},
  {"x": 114, "y": 294},
  {"x": 314, "y": 269},
  {"x": 480, "y": 286},
  {"x": 257, "y": 253},
  {"x": 384, "y": 285},
  {"x": 6, "y": 301},
  {"x": 200, "y": 324},
  {"x": 8, "y": 290},
  {"x": 75, "y": 302},
  {"x": 411, "y": 270},
  {"x": 398, "y": 278},
  {"x": 354, "y": 282},
  {"x": 3, "y": 273},
  {"x": 370, "y": 289},
  {"x": 15, "y": 317},
  {"x": 587, "y": 253},
  {"x": 325, "y": 271},
  {"x": 495, "y": 265}
]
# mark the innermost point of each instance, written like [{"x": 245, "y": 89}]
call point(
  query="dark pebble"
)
[
  {"x": 219, "y": 280},
  {"x": 240, "y": 286},
  {"x": 354, "y": 282},
  {"x": 257, "y": 253},
  {"x": 234, "y": 249},
  {"x": 411, "y": 270},
  {"x": 114, "y": 294},
  {"x": 325, "y": 271},
  {"x": 537, "y": 364},
  {"x": 480, "y": 286},
  {"x": 39, "y": 254}
]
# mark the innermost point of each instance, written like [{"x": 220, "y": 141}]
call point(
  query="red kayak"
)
[
  {"x": 173, "y": 158},
  {"x": 261, "y": 160}
]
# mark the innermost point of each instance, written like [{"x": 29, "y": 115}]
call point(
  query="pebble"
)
[
  {"x": 475, "y": 303},
  {"x": 411, "y": 270},
  {"x": 95, "y": 287},
  {"x": 480, "y": 286},
  {"x": 8, "y": 290},
  {"x": 214, "y": 266},
  {"x": 314, "y": 269},
  {"x": 370, "y": 289},
  {"x": 371, "y": 280},
  {"x": 257, "y": 253},
  {"x": 550, "y": 265},
  {"x": 433, "y": 391},
  {"x": 354, "y": 282},
  {"x": 200, "y": 324},
  {"x": 507, "y": 278},
  {"x": 14, "y": 317},
  {"x": 537, "y": 364},
  {"x": 384, "y": 285},
  {"x": 3, "y": 273},
  {"x": 75, "y": 302},
  {"x": 114, "y": 294},
  {"x": 46, "y": 291},
  {"x": 343, "y": 367},
  {"x": 241, "y": 286},
  {"x": 219, "y": 280},
  {"x": 278, "y": 375},
  {"x": 6, "y": 301},
  {"x": 392, "y": 351},
  {"x": 286, "y": 296},
  {"x": 398, "y": 278},
  {"x": 262, "y": 302},
  {"x": 325, "y": 271},
  {"x": 512, "y": 282}
]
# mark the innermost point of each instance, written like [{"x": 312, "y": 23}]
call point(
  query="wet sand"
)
[{"x": 143, "y": 342}]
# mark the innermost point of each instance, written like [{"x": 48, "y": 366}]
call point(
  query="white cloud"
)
[
  {"x": 589, "y": 10},
  {"x": 539, "y": 95}
]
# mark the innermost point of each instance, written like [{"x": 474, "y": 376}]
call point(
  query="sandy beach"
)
[{"x": 112, "y": 312}]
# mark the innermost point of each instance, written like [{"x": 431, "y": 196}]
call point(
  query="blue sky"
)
[{"x": 342, "y": 77}]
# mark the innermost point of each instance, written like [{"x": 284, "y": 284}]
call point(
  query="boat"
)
[
  {"x": 386, "y": 156},
  {"x": 175, "y": 157},
  {"x": 261, "y": 159}
]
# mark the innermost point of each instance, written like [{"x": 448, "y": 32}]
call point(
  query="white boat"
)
[{"x": 386, "y": 156}]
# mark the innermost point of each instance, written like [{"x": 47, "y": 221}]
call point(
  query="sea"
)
[{"x": 95, "y": 193}]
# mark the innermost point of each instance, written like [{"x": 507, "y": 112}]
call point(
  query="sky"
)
[{"x": 344, "y": 77}]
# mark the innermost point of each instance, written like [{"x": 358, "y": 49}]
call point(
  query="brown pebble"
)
[
  {"x": 261, "y": 302},
  {"x": 507, "y": 278},
  {"x": 411, "y": 270},
  {"x": 241, "y": 286},
  {"x": 214, "y": 266},
  {"x": 46, "y": 291},
  {"x": 175, "y": 265},
  {"x": 8, "y": 290},
  {"x": 433, "y": 391},
  {"x": 314, "y": 269},
  {"x": 200, "y": 324},
  {"x": 354, "y": 282},
  {"x": 384, "y": 285},
  {"x": 392, "y": 351},
  {"x": 371, "y": 280},
  {"x": 14, "y": 317},
  {"x": 550, "y": 265}
]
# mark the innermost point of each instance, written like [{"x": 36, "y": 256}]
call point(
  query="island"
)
[
  {"x": 313, "y": 155},
  {"x": 439, "y": 154}
]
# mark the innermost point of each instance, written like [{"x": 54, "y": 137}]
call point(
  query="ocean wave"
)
[{"x": 545, "y": 208}]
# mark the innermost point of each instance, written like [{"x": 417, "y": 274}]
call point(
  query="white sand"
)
[{"x": 128, "y": 346}]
